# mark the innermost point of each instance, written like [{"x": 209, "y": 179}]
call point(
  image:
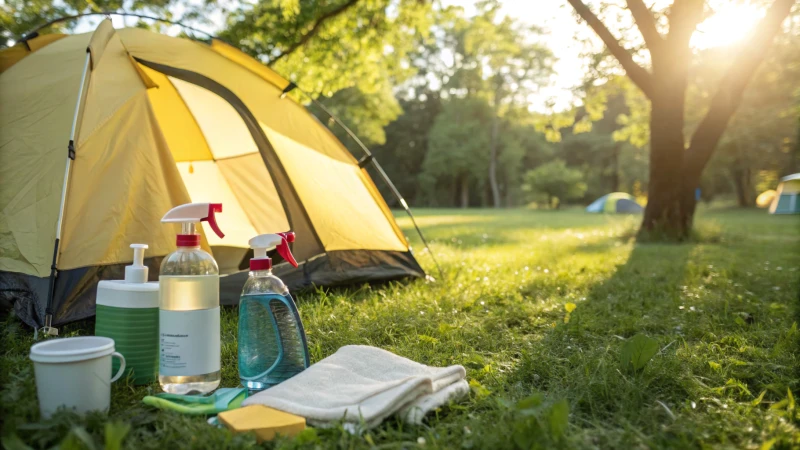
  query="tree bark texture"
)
[
  {"x": 666, "y": 212},
  {"x": 743, "y": 183}
]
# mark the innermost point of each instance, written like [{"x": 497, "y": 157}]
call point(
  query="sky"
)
[{"x": 560, "y": 30}]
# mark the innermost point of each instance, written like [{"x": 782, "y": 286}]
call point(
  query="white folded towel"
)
[{"x": 362, "y": 386}]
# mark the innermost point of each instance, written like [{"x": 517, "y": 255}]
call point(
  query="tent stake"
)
[
  {"x": 370, "y": 158},
  {"x": 48, "y": 328}
]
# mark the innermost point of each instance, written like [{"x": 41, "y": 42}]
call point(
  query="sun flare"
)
[{"x": 728, "y": 25}]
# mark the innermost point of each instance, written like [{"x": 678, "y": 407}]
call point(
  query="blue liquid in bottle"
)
[{"x": 272, "y": 341}]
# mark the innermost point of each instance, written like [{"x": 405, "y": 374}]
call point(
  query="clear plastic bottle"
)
[
  {"x": 189, "y": 314},
  {"x": 272, "y": 340}
]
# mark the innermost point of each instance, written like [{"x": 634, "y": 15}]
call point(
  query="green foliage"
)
[
  {"x": 617, "y": 102},
  {"x": 538, "y": 426},
  {"x": 637, "y": 352},
  {"x": 13, "y": 442},
  {"x": 556, "y": 181},
  {"x": 499, "y": 52},
  {"x": 18, "y": 17},
  {"x": 761, "y": 141},
  {"x": 492, "y": 59},
  {"x": 457, "y": 150},
  {"x": 605, "y": 144},
  {"x": 78, "y": 439},
  {"x": 365, "y": 114},
  {"x": 326, "y": 46},
  {"x": 406, "y": 144},
  {"x": 115, "y": 433}
]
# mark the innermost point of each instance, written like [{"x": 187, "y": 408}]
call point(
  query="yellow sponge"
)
[{"x": 264, "y": 421}]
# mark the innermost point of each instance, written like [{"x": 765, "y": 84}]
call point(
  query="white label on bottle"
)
[{"x": 189, "y": 342}]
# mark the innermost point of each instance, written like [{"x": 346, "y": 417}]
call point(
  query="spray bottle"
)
[
  {"x": 189, "y": 330},
  {"x": 272, "y": 341}
]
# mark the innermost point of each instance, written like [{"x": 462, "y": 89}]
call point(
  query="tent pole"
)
[
  {"x": 369, "y": 158},
  {"x": 48, "y": 328}
]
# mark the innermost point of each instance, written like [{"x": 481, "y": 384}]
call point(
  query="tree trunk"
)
[
  {"x": 464, "y": 188},
  {"x": 615, "y": 165},
  {"x": 670, "y": 203},
  {"x": 493, "y": 161},
  {"x": 743, "y": 184}
]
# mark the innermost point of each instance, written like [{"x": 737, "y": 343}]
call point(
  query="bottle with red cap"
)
[
  {"x": 272, "y": 341},
  {"x": 188, "y": 316}
]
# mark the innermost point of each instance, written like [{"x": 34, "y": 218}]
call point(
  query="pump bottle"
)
[
  {"x": 272, "y": 341},
  {"x": 127, "y": 311},
  {"x": 189, "y": 329}
]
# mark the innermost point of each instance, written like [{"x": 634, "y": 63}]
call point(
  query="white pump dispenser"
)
[{"x": 137, "y": 272}]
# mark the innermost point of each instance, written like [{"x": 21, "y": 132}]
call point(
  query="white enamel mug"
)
[{"x": 75, "y": 372}]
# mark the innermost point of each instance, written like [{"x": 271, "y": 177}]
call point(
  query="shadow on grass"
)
[{"x": 579, "y": 360}]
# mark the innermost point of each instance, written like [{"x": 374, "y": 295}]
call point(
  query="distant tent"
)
[
  {"x": 615, "y": 202},
  {"x": 786, "y": 199},
  {"x": 765, "y": 199}
]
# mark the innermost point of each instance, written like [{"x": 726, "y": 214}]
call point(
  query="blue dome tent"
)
[{"x": 615, "y": 202}]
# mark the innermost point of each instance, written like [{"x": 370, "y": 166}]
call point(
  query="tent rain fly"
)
[{"x": 166, "y": 121}]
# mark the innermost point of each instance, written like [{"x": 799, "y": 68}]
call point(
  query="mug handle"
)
[{"x": 121, "y": 366}]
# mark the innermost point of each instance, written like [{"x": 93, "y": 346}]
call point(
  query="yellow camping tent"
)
[{"x": 160, "y": 121}]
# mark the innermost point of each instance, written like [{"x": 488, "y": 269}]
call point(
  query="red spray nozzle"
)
[
  {"x": 264, "y": 242},
  {"x": 283, "y": 247},
  {"x": 189, "y": 214},
  {"x": 212, "y": 219}
]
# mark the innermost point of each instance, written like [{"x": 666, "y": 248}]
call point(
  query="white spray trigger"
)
[
  {"x": 192, "y": 213},
  {"x": 263, "y": 243},
  {"x": 137, "y": 272}
]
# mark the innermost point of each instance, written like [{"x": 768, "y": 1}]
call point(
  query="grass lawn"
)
[{"x": 722, "y": 312}]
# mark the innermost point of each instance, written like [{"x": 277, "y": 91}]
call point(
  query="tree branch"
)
[
  {"x": 684, "y": 15},
  {"x": 314, "y": 30},
  {"x": 732, "y": 86},
  {"x": 647, "y": 25},
  {"x": 641, "y": 77}
]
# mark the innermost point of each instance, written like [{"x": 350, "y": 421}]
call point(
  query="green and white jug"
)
[{"x": 127, "y": 312}]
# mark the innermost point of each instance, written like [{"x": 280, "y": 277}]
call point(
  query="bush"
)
[{"x": 555, "y": 181}]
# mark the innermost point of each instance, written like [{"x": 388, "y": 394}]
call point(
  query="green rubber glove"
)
[{"x": 221, "y": 400}]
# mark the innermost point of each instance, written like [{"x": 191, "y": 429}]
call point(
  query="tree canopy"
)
[{"x": 445, "y": 98}]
